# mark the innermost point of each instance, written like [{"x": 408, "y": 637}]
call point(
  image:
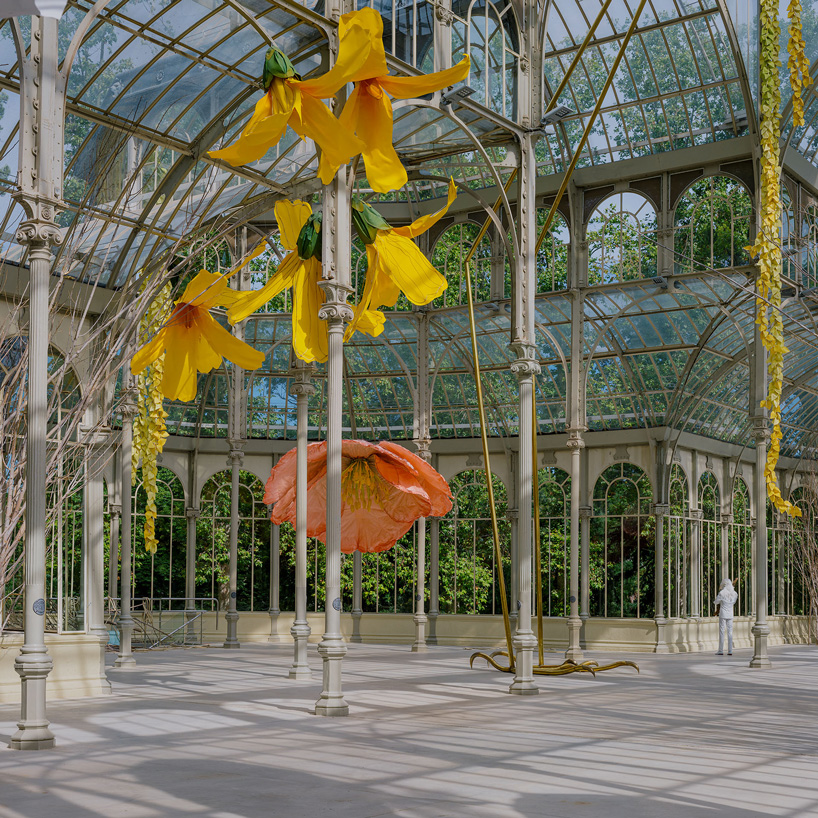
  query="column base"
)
[
  {"x": 33, "y": 666},
  {"x": 300, "y": 669},
  {"x": 419, "y": 645},
  {"x": 431, "y": 639},
  {"x": 231, "y": 642},
  {"x": 331, "y": 701},
  {"x": 523, "y": 684},
  {"x": 574, "y": 651},
  {"x": 104, "y": 682},
  {"x": 760, "y": 660},
  {"x": 274, "y": 637},
  {"x": 661, "y": 644},
  {"x": 356, "y": 626}
]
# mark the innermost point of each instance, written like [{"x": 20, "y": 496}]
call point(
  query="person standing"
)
[{"x": 724, "y": 603}]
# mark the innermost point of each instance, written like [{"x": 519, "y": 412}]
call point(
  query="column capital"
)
[
  {"x": 512, "y": 514},
  {"x": 696, "y": 514},
  {"x": 585, "y": 512},
  {"x": 335, "y": 308},
  {"x": 301, "y": 374},
  {"x": 445, "y": 15},
  {"x": 661, "y": 509},
  {"x": 526, "y": 363},
  {"x": 128, "y": 407},
  {"x": 575, "y": 440},
  {"x": 423, "y": 446},
  {"x": 236, "y": 454},
  {"x": 40, "y": 228},
  {"x": 115, "y": 508},
  {"x": 193, "y": 513},
  {"x": 725, "y": 518},
  {"x": 761, "y": 430}
]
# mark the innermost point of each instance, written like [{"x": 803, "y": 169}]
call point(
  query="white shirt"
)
[{"x": 725, "y": 600}]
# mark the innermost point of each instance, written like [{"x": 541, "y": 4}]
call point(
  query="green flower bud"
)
[
  {"x": 308, "y": 243},
  {"x": 367, "y": 220},
  {"x": 276, "y": 64}
]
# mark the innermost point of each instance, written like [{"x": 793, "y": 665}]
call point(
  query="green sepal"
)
[
  {"x": 277, "y": 65},
  {"x": 367, "y": 220},
  {"x": 308, "y": 244}
]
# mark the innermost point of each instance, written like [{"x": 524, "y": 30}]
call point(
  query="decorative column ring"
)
[
  {"x": 575, "y": 444},
  {"x": 235, "y": 458},
  {"x": 525, "y": 368}
]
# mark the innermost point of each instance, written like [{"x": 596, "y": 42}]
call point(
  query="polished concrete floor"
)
[{"x": 218, "y": 734}]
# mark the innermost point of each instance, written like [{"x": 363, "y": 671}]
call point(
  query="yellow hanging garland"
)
[
  {"x": 767, "y": 245},
  {"x": 798, "y": 64},
  {"x": 149, "y": 427}
]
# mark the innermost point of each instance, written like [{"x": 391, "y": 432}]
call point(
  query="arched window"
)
[
  {"x": 803, "y": 565},
  {"x": 555, "y": 494},
  {"x": 160, "y": 577},
  {"x": 622, "y": 555},
  {"x": 552, "y": 258},
  {"x": 263, "y": 268},
  {"x": 468, "y": 571},
  {"x": 213, "y": 543},
  {"x": 622, "y": 240},
  {"x": 740, "y": 548},
  {"x": 388, "y": 578},
  {"x": 712, "y": 225},
  {"x": 487, "y": 32},
  {"x": 710, "y": 507},
  {"x": 677, "y": 545},
  {"x": 450, "y": 251}
]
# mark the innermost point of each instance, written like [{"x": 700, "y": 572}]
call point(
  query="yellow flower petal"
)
[
  {"x": 378, "y": 286},
  {"x": 291, "y": 217},
  {"x": 355, "y": 45},
  {"x": 371, "y": 120},
  {"x": 309, "y": 331},
  {"x": 264, "y": 130},
  {"x": 369, "y": 322},
  {"x": 401, "y": 259},
  {"x": 338, "y": 145},
  {"x": 225, "y": 344},
  {"x": 372, "y": 23},
  {"x": 149, "y": 353},
  {"x": 179, "y": 379},
  {"x": 410, "y": 87},
  {"x": 422, "y": 224},
  {"x": 204, "y": 290},
  {"x": 249, "y": 302}
]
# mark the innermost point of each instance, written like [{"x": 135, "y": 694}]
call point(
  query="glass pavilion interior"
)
[{"x": 623, "y": 338}]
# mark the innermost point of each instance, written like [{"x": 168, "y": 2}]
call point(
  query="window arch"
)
[
  {"x": 213, "y": 542},
  {"x": 712, "y": 225},
  {"x": 487, "y": 32},
  {"x": 622, "y": 557},
  {"x": 809, "y": 258},
  {"x": 709, "y": 499},
  {"x": 552, "y": 257},
  {"x": 677, "y": 545},
  {"x": 161, "y": 574},
  {"x": 468, "y": 571},
  {"x": 622, "y": 239},
  {"x": 449, "y": 252}
]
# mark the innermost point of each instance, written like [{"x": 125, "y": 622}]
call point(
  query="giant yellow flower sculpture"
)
[
  {"x": 291, "y": 101},
  {"x": 300, "y": 233},
  {"x": 395, "y": 265},
  {"x": 193, "y": 341},
  {"x": 368, "y": 111}
]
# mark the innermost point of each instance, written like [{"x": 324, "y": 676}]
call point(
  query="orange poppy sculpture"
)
[{"x": 384, "y": 489}]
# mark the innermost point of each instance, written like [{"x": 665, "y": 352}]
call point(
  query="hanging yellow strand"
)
[
  {"x": 798, "y": 64},
  {"x": 149, "y": 427},
  {"x": 767, "y": 245}
]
